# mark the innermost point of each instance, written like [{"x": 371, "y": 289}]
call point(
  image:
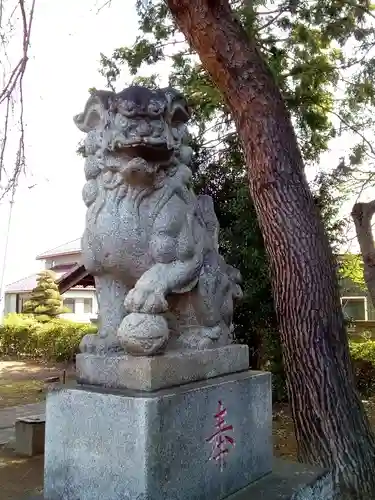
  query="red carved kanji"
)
[{"x": 220, "y": 439}]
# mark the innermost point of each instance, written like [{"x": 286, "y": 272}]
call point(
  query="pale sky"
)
[{"x": 67, "y": 40}]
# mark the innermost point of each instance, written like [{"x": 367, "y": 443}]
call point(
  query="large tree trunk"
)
[
  {"x": 330, "y": 424},
  {"x": 362, "y": 214}
]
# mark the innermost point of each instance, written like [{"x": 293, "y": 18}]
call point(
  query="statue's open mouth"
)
[{"x": 149, "y": 152}]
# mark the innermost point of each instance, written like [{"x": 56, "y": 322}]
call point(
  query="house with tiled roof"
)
[
  {"x": 63, "y": 260},
  {"x": 77, "y": 287}
]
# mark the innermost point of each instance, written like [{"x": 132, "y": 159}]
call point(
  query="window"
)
[
  {"x": 7, "y": 303},
  {"x": 70, "y": 304},
  {"x": 87, "y": 306},
  {"x": 355, "y": 307}
]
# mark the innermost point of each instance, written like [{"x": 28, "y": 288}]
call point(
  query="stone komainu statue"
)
[{"x": 149, "y": 241}]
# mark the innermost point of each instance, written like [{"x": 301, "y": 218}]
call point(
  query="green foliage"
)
[
  {"x": 21, "y": 335},
  {"x": 363, "y": 356},
  {"x": 320, "y": 52},
  {"x": 363, "y": 350},
  {"x": 305, "y": 44},
  {"x": 351, "y": 268},
  {"x": 45, "y": 301}
]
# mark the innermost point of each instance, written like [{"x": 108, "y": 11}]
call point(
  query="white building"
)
[{"x": 80, "y": 299}]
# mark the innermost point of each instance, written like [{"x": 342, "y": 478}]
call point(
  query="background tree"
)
[
  {"x": 242, "y": 245},
  {"x": 304, "y": 45},
  {"x": 45, "y": 301},
  {"x": 330, "y": 425},
  {"x": 362, "y": 214}
]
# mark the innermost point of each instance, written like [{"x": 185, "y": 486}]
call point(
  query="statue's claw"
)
[
  {"x": 92, "y": 343},
  {"x": 145, "y": 301}
]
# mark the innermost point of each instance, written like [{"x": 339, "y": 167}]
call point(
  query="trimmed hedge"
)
[{"x": 23, "y": 336}]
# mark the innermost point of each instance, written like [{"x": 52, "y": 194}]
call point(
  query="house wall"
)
[
  {"x": 10, "y": 303},
  {"x": 79, "y": 296},
  {"x": 10, "y": 300}
]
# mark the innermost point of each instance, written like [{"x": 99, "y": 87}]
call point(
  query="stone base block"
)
[
  {"x": 121, "y": 371},
  {"x": 288, "y": 481},
  {"x": 30, "y": 432},
  {"x": 198, "y": 441}
]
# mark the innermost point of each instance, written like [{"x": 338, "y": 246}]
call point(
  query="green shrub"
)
[
  {"x": 56, "y": 340},
  {"x": 363, "y": 356},
  {"x": 45, "y": 301}
]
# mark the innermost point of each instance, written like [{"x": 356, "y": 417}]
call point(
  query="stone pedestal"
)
[
  {"x": 195, "y": 425},
  {"x": 204, "y": 440},
  {"x": 150, "y": 373}
]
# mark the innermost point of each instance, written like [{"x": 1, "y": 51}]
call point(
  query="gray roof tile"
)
[
  {"x": 69, "y": 247},
  {"x": 28, "y": 283}
]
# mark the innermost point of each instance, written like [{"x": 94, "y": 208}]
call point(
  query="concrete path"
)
[{"x": 9, "y": 415}]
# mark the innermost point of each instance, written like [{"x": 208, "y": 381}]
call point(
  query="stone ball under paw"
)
[{"x": 143, "y": 334}]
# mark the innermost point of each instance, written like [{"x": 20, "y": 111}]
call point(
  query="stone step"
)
[{"x": 289, "y": 481}]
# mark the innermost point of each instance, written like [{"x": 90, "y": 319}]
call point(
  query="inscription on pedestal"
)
[{"x": 222, "y": 439}]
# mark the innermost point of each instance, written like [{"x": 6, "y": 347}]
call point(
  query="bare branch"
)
[
  {"x": 106, "y": 4},
  {"x": 271, "y": 21},
  {"x": 11, "y": 93},
  {"x": 4, "y": 142}
]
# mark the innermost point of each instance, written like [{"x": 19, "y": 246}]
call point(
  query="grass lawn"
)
[
  {"x": 21, "y": 381},
  {"x": 20, "y": 392}
]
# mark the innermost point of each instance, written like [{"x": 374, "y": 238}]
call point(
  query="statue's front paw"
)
[
  {"x": 196, "y": 340},
  {"x": 93, "y": 343},
  {"x": 88, "y": 343},
  {"x": 145, "y": 301},
  {"x": 108, "y": 344}
]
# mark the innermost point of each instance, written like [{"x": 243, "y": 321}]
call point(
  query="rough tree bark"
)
[
  {"x": 362, "y": 214},
  {"x": 330, "y": 423}
]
